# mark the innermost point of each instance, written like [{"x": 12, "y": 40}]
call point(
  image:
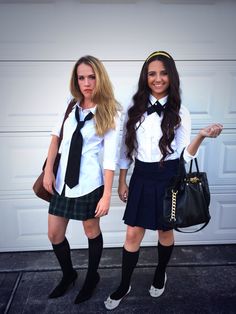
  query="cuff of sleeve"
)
[
  {"x": 188, "y": 157},
  {"x": 55, "y": 133},
  {"x": 109, "y": 165},
  {"x": 124, "y": 163}
]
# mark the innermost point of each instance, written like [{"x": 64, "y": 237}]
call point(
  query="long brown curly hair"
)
[{"x": 171, "y": 118}]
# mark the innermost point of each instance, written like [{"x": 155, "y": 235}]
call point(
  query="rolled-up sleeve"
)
[
  {"x": 183, "y": 134},
  {"x": 188, "y": 157},
  {"x": 124, "y": 162},
  {"x": 57, "y": 127},
  {"x": 111, "y": 144}
]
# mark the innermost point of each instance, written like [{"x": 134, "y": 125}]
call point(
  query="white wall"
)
[{"x": 39, "y": 43}]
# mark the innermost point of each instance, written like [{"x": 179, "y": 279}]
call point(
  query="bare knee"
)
[
  {"x": 56, "y": 229},
  {"x": 134, "y": 238},
  {"x": 55, "y": 237},
  {"x": 166, "y": 237},
  {"x": 91, "y": 228}
]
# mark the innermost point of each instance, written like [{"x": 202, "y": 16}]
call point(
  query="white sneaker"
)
[
  {"x": 111, "y": 304},
  {"x": 155, "y": 292}
]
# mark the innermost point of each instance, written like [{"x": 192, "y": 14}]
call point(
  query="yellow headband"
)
[{"x": 156, "y": 54}]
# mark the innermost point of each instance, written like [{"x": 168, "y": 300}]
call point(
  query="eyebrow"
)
[
  {"x": 154, "y": 71},
  {"x": 90, "y": 75}
]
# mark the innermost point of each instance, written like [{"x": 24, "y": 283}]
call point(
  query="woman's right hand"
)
[
  {"x": 212, "y": 130},
  {"x": 123, "y": 192},
  {"x": 49, "y": 181}
]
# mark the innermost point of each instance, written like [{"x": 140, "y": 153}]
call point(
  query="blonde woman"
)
[{"x": 83, "y": 184}]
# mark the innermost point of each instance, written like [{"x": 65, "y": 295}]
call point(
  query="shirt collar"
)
[
  {"x": 162, "y": 100},
  {"x": 93, "y": 109}
]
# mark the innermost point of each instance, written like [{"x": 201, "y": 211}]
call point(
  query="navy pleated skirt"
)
[{"x": 147, "y": 186}]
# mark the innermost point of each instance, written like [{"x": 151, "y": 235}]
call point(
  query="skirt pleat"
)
[
  {"x": 79, "y": 208},
  {"x": 147, "y": 186}
]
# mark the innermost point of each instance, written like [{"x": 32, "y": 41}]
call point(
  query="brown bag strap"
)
[{"x": 68, "y": 111}]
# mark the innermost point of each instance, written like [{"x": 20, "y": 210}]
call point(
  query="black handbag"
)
[
  {"x": 38, "y": 187},
  {"x": 187, "y": 199}
]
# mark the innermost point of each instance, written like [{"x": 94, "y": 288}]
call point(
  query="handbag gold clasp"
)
[{"x": 194, "y": 180}]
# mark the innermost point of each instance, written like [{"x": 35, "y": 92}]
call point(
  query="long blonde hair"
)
[{"x": 103, "y": 95}]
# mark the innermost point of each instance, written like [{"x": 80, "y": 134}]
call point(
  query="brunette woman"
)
[{"x": 157, "y": 128}]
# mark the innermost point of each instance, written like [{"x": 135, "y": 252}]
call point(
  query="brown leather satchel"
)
[{"x": 38, "y": 187}]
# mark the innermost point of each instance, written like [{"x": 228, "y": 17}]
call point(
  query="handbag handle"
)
[
  {"x": 196, "y": 165},
  {"x": 203, "y": 226},
  {"x": 182, "y": 170},
  {"x": 180, "y": 173}
]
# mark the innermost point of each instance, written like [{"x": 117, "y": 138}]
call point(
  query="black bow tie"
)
[{"x": 157, "y": 107}]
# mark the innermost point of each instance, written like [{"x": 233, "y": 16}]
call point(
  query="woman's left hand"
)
[
  {"x": 102, "y": 206},
  {"x": 212, "y": 130}
]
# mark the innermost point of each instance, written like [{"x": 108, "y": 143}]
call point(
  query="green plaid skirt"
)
[{"x": 79, "y": 208}]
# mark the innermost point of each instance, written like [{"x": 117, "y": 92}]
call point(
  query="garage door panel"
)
[
  {"x": 23, "y": 155},
  {"x": 41, "y": 30},
  {"x": 37, "y": 53},
  {"x": 32, "y": 95}
]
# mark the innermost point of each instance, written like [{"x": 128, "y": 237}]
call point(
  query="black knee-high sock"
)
[
  {"x": 95, "y": 247},
  {"x": 92, "y": 277},
  {"x": 164, "y": 254},
  {"x": 95, "y": 252},
  {"x": 129, "y": 262},
  {"x": 62, "y": 252}
]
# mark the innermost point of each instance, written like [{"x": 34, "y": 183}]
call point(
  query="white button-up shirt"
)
[
  {"x": 92, "y": 159},
  {"x": 149, "y": 134}
]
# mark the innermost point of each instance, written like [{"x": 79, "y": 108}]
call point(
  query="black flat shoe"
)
[
  {"x": 63, "y": 286},
  {"x": 87, "y": 290}
]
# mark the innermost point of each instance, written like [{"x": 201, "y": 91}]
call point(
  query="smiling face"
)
[
  {"x": 158, "y": 79},
  {"x": 86, "y": 80}
]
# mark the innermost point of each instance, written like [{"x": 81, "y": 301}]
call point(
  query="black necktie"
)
[
  {"x": 157, "y": 107},
  {"x": 74, "y": 158}
]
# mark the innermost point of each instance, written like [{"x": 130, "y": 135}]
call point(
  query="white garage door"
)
[{"x": 39, "y": 43}]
